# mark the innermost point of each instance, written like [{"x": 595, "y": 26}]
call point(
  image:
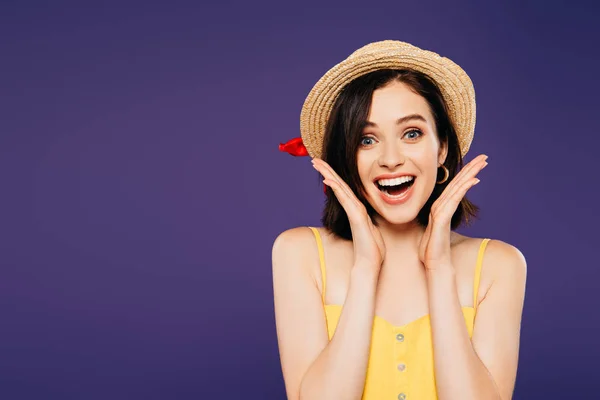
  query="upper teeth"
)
[{"x": 395, "y": 181}]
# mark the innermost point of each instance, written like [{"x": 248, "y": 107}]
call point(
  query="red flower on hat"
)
[{"x": 296, "y": 148}]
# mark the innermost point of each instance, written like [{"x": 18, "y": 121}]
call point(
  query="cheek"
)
[
  {"x": 362, "y": 167},
  {"x": 364, "y": 179},
  {"x": 430, "y": 175},
  {"x": 364, "y": 173}
]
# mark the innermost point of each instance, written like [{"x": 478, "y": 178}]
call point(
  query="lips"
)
[{"x": 396, "y": 196}]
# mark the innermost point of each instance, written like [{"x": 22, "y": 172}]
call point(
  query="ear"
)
[{"x": 443, "y": 152}]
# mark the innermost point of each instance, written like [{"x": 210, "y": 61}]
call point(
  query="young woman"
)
[{"x": 386, "y": 301}]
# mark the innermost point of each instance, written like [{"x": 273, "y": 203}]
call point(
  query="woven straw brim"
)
[{"x": 455, "y": 85}]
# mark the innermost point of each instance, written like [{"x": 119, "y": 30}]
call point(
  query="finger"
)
[
  {"x": 329, "y": 173},
  {"x": 452, "y": 192},
  {"x": 467, "y": 173},
  {"x": 468, "y": 176},
  {"x": 346, "y": 201},
  {"x": 459, "y": 194},
  {"x": 449, "y": 205},
  {"x": 326, "y": 167},
  {"x": 471, "y": 168}
]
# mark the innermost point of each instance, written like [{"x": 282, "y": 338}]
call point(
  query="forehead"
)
[{"x": 397, "y": 100}]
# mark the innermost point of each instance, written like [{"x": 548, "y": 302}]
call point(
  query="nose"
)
[{"x": 391, "y": 156}]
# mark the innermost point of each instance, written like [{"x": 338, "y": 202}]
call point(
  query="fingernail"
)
[{"x": 477, "y": 181}]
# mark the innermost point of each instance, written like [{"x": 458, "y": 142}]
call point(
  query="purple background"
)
[{"x": 142, "y": 186}]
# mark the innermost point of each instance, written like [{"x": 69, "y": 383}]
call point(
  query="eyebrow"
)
[{"x": 401, "y": 120}]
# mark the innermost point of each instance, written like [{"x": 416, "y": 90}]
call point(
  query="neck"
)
[{"x": 401, "y": 238}]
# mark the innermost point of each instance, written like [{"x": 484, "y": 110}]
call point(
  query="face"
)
[{"x": 399, "y": 142}]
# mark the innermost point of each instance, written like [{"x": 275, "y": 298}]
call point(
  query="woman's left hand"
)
[{"x": 434, "y": 250}]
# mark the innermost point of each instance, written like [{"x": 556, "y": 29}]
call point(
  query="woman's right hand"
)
[{"x": 369, "y": 247}]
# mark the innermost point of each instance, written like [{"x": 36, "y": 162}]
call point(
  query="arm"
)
[
  {"x": 314, "y": 367},
  {"x": 485, "y": 367}
]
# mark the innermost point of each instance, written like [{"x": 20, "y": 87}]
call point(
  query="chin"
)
[
  {"x": 398, "y": 218},
  {"x": 396, "y": 214}
]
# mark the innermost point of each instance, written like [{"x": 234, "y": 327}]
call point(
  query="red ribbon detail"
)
[{"x": 294, "y": 147}]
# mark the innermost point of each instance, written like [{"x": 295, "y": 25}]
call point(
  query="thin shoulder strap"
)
[
  {"x": 478, "y": 271},
  {"x": 321, "y": 260}
]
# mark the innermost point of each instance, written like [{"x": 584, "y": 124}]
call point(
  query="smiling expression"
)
[{"x": 399, "y": 138}]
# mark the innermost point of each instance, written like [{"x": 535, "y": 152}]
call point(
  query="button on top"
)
[
  {"x": 400, "y": 337},
  {"x": 401, "y": 367},
  {"x": 401, "y": 396}
]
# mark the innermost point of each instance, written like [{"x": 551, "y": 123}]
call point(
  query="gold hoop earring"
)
[{"x": 446, "y": 174}]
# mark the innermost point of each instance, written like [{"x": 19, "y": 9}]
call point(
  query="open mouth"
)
[{"x": 395, "y": 190}]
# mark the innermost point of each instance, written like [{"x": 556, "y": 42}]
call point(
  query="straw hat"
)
[{"x": 455, "y": 85}]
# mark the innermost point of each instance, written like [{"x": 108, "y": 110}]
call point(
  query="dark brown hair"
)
[{"x": 343, "y": 135}]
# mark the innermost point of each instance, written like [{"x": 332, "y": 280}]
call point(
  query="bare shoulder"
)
[
  {"x": 500, "y": 258},
  {"x": 295, "y": 244},
  {"x": 506, "y": 260},
  {"x": 290, "y": 238}
]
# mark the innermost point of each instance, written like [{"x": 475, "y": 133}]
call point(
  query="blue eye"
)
[
  {"x": 367, "y": 138},
  {"x": 415, "y": 130},
  {"x": 413, "y": 138}
]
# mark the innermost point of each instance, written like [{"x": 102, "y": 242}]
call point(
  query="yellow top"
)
[{"x": 401, "y": 359}]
